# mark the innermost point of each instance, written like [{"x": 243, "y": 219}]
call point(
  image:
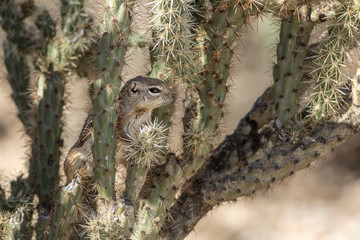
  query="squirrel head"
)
[{"x": 142, "y": 94}]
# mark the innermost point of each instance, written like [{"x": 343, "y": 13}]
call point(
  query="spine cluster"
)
[{"x": 331, "y": 55}]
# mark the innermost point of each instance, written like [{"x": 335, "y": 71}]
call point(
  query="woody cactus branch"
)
[{"x": 262, "y": 168}]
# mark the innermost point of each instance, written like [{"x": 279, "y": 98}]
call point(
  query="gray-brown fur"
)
[{"x": 137, "y": 98}]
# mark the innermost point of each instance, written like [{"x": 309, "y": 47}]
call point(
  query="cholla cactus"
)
[
  {"x": 190, "y": 46},
  {"x": 146, "y": 150}
]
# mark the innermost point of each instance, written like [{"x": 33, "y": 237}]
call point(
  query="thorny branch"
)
[{"x": 248, "y": 161}]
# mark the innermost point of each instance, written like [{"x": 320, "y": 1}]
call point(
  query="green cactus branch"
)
[
  {"x": 12, "y": 14},
  {"x": 56, "y": 57},
  {"x": 49, "y": 143},
  {"x": 327, "y": 97},
  {"x": 146, "y": 149},
  {"x": 19, "y": 80},
  {"x": 172, "y": 53},
  {"x": 17, "y": 40},
  {"x": 114, "y": 32},
  {"x": 288, "y": 72},
  {"x": 68, "y": 211},
  {"x": 73, "y": 14},
  {"x": 154, "y": 208}
]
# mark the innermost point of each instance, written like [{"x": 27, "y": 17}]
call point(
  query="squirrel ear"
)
[{"x": 133, "y": 88}]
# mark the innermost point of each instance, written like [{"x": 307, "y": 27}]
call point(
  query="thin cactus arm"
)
[
  {"x": 49, "y": 102},
  {"x": 172, "y": 53},
  {"x": 18, "y": 38},
  {"x": 19, "y": 80},
  {"x": 288, "y": 72},
  {"x": 112, "y": 46},
  {"x": 152, "y": 212},
  {"x": 72, "y": 15},
  {"x": 49, "y": 143},
  {"x": 68, "y": 210}
]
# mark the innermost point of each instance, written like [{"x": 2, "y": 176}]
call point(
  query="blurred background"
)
[{"x": 319, "y": 203}]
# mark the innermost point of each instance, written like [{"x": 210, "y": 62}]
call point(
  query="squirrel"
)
[{"x": 137, "y": 98}]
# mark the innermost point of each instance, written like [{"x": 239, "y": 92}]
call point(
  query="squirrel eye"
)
[{"x": 154, "y": 90}]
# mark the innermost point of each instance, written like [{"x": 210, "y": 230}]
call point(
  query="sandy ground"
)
[{"x": 319, "y": 203}]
